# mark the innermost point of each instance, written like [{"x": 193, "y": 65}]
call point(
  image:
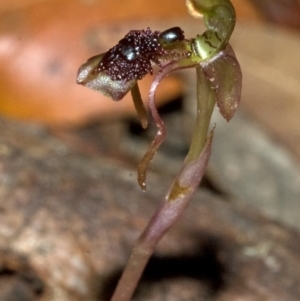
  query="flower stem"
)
[
  {"x": 179, "y": 195},
  {"x": 164, "y": 217}
]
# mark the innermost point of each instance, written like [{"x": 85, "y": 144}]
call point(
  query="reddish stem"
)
[{"x": 166, "y": 215}]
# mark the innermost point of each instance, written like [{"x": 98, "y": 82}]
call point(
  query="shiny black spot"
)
[
  {"x": 127, "y": 51},
  {"x": 171, "y": 35}
]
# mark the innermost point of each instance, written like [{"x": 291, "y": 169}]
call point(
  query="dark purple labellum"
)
[{"x": 132, "y": 57}]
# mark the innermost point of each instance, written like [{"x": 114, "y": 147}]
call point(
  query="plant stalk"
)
[
  {"x": 179, "y": 195},
  {"x": 206, "y": 100}
]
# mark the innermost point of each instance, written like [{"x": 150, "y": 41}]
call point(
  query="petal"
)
[
  {"x": 161, "y": 133},
  {"x": 225, "y": 75}
]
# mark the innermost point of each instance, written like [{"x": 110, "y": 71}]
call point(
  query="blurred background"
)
[
  {"x": 256, "y": 157},
  {"x": 43, "y": 43}
]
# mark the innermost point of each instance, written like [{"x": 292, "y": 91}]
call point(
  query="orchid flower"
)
[
  {"x": 219, "y": 79},
  {"x": 117, "y": 71}
]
